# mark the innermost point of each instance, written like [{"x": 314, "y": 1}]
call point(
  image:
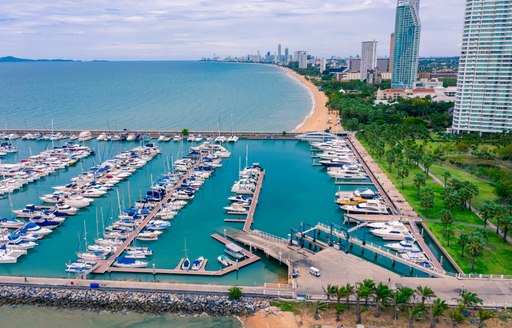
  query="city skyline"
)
[{"x": 117, "y": 30}]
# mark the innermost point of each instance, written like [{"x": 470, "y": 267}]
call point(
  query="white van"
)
[{"x": 314, "y": 271}]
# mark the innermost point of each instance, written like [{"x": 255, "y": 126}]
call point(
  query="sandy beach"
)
[{"x": 318, "y": 119}]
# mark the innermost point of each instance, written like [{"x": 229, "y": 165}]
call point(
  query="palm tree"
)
[
  {"x": 482, "y": 316},
  {"x": 415, "y": 312},
  {"x": 319, "y": 307},
  {"x": 476, "y": 244},
  {"x": 420, "y": 180},
  {"x": 438, "y": 308},
  {"x": 427, "y": 162},
  {"x": 368, "y": 287},
  {"x": 426, "y": 293},
  {"x": 446, "y": 217},
  {"x": 463, "y": 240},
  {"x": 401, "y": 297},
  {"x": 340, "y": 293},
  {"x": 403, "y": 171},
  {"x": 382, "y": 294},
  {"x": 505, "y": 223},
  {"x": 390, "y": 158},
  {"x": 473, "y": 191},
  {"x": 469, "y": 299},
  {"x": 446, "y": 175},
  {"x": 487, "y": 210},
  {"x": 427, "y": 200},
  {"x": 348, "y": 290},
  {"x": 329, "y": 291},
  {"x": 456, "y": 317}
]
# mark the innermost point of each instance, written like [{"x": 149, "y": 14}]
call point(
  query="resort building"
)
[
  {"x": 406, "y": 44},
  {"x": 484, "y": 84},
  {"x": 368, "y": 58},
  {"x": 323, "y": 65},
  {"x": 438, "y": 93}
]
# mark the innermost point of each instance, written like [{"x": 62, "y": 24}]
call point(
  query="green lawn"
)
[
  {"x": 486, "y": 189},
  {"x": 496, "y": 258}
]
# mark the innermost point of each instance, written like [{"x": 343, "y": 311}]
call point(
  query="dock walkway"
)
[
  {"x": 104, "y": 265},
  {"x": 254, "y": 203}
]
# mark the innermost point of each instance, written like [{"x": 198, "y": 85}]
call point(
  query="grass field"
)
[{"x": 495, "y": 260}]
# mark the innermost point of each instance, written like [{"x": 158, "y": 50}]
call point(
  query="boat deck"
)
[
  {"x": 359, "y": 183},
  {"x": 379, "y": 218}
]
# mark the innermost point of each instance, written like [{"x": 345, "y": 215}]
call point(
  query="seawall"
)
[{"x": 118, "y": 301}]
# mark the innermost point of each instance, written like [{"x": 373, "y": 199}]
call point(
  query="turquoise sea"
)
[{"x": 150, "y": 95}]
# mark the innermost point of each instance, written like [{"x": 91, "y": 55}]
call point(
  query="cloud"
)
[{"x": 190, "y": 29}]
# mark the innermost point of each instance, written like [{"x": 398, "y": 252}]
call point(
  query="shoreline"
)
[{"x": 317, "y": 118}]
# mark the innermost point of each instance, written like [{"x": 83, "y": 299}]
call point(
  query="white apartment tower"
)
[
  {"x": 368, "y": 58},
  {"x": 303, "y": 59},
  {"x": 484, "y": 87},
  {"x": 323, "y": 65}
]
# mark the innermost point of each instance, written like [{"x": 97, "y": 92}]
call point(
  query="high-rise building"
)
[
  {"x": 484, "y": 86},
  {"x": 323, "y": 65},
  {"x": 407, "y": 43},
  {"x": 391, "y": 49},
  {"x": 279, "y": 55},
  {"x": 368, "y": 58},
  {"x": 286, "y": 55},
  {"x": 303, "y": 59}
]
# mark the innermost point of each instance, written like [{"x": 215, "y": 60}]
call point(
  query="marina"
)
[{"x": 113, "y": 267}]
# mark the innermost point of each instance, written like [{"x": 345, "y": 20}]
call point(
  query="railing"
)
[{"x": 270, "y": 237}]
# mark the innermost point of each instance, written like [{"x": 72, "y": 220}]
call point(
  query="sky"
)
[{"x": 192, "y": 29}]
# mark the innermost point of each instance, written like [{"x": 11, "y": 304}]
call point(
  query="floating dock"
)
[{"x": 254, "y": 203}]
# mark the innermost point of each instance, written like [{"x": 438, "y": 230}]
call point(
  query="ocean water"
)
[
  {"x": 37, "y": 317},
  {"x": 150, "y": 95}
]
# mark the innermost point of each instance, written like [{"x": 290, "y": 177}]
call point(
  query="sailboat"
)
[
  {"x": 185, "y": 265},
  {"x": 232, "y": 138},
  {"x": 220, "y": 138}
]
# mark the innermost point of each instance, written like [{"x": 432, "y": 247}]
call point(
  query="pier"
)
[
  {"x": 251, "y": 258},
  {"x": 104, "y": 265},
  {"x": 254, "y": 203},
  {"x": 376, "y": 250}
]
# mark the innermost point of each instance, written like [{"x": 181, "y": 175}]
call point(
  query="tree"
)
[
  {"x": 400, "y": 298},
  {"x": 427, "y": 162},
  {"x": 446, "y": 175},
  {"x": 348, "y": 290},
  {"x": 419, "y": 181},
  {"x": 329, "y": 291},
  {"x": 463, "y": 240},
  {"x": 340, "y": 293},
  {"x": 381, "y": 295},
  {"x": 456, "y": 317},
  {"x": 475, "y": 246},
  {"x": 451, "y": 199},
  {"x": 360, "y": 292},
  {"x": 427, "y": 200},
  {"x": 446, "y": 217},
  {"x": 487, "y": 210},
  {"x": 184, "y": 132},
  {"x": 403, "y": 171},
  {"x": 390, "y": 158},
  {"x": 415, "y": 312},
  {"x": 472, "y": 190},
  {"x": 482, "y": 316},
  {"x": 368, "y": 288},
  {"x": 426, "y": 293},
  {"x": 235, "y": 293},
  {"x": 438, "y": 308},
  {"x": 468, "y": 300},
  {"x": 505, "y": 223},
  {"x": 319, "y": 308},
  {"x": 464, "y": 196},
  {"x": 448, "y": 233}
]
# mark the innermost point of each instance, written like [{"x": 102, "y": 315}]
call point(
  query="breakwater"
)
[{"x": 122, "y": 301}]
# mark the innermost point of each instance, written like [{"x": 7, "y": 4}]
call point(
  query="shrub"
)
[{"x": 235, "y": 293}]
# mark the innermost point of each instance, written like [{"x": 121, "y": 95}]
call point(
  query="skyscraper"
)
[
  {"x": 407, "y": 43},
  {"x": 286, "y": 55},
  {"x": 279, "y": 56},
  {"x": 303, "y": 59},
  {"x": 484, "y": 87},
  {"x": 323, "y": 65},
  {"x": 368, "y": 58},
  {"x": 391, "y": 50}
]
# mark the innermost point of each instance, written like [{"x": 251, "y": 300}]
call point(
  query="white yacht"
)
[
  {"x": 372, "y": 206},
  {"x": 85, "y": 136},
  {"x": 124, "y": 262},
  {"x": 316, "y": 136},
  {"x": 236, "y": 208},
  {"x": 404, "y": 246},
  {"x": 391, "y": 233},
  {"x": 383, "y": 225}
]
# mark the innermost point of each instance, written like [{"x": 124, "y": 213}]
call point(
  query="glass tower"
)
[
  {"x": 407, "y": 43},
  {"x": 484, "y": 86}
]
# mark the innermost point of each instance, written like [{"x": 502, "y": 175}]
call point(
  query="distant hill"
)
[{"x": 11, "y": 59}]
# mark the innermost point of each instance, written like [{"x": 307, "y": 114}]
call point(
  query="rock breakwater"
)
[{"x": 119, "y": 301}]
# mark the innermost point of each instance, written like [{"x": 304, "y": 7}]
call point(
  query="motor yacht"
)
[
  {"x": 372, "y": 206},
  {"x": 392, "y": 233}
]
